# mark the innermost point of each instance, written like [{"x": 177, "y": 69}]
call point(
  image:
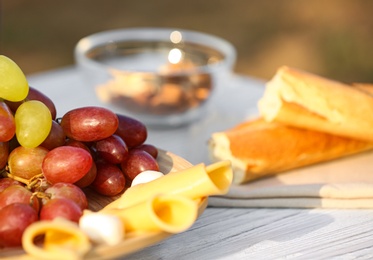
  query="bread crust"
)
[
  {"x": 258, "y": 148},
  {"x": 305, "y": 100}
]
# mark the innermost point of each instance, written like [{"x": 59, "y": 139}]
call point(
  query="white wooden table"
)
[{"x": 232, "y": 233}]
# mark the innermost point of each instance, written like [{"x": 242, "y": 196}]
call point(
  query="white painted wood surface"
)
[
  {"x": 227, "y": 233},
  {"x": 233, "y": 233}
]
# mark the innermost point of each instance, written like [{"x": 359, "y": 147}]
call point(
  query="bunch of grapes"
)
[{"x": 47, "y": 164}]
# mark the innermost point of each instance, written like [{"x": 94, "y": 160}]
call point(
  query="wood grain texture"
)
[{"x": 168, "y": 163}]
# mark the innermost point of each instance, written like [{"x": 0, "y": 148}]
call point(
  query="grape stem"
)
[
  {"x": 40, "y": 195},
  {"x": 36, "y": 182},
  {"x": 6, "y": 174}
]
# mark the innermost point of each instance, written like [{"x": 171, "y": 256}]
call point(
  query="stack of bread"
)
[{"x": 303, "y": 119}]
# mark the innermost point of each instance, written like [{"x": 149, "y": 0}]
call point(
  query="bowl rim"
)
[{"x": 158, "y": 33}]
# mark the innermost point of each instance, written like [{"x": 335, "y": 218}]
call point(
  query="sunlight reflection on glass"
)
[
  {"x": 175, "y": 55},
  {"x": 176, "y": 37}
]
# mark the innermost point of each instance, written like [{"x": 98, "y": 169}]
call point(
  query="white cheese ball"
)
[
  {"x": 102, "y": 228},
  {"x": 146, "y": 176}
]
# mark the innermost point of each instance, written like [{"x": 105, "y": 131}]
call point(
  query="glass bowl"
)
[{"x": 161, "y": 76}]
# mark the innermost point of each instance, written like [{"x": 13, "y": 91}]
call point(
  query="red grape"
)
[
  {"x": 68, "y": 191},
  {"x": 132, "y": 131},
  {"x": 26, "y": 162},
  {"x": 55, "y": 138},
  {"x": 85, "y": 146},
  {"x": 6, "y": 182},
  {"x": 88, "y": 178},
  {"x": 18, "y": 194},
  {"x": 75, "y": 143},
  {"x": 112, "y": 149},
  {"x": 61, "y": 207},
  {"x": 4, "y": 153},
  {"x": 150, "y": 149},
  {"x": 7, "y": 123},
  {"x": 137, "y": 162},
  {"x": 110, "y": 180},
  {"x": 66, "y": 164},
  {"x": 14, "y": 219},
  {"x": 89, "y": 124}
]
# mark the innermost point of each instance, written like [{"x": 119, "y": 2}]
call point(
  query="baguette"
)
[
  {"x": 366, "y": 87},
  {"x": 305, "y": 100},
  {"x": 259, "y": 149}
]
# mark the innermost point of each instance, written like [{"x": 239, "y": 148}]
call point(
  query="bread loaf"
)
[
  {"x": 258, "y": 148},
  {"x": 305, "y": 100}
]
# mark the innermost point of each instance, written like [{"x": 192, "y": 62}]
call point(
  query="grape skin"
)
[
  {"x": 112, "y": 149},
  {"x": 88, "y": 178},
  {"x": 4, "y": 153},
  {"x": 26, "y": 162},
  {"x": 6, "y": 182},
  {"x": 110, "y": 180},
  {"x": 55, "y": 138},
  {"x": 150, "y": 149},
  {"x": 33, "y": 123},
  {"x": 137, "y": 162},
  {"x": 66, "y": 164},
  {"x": 85, "y": 146},
  {"x": 89, "y": 124},
  {"x": 14, "y": 219},
  {"x": 7, "y": 123},
  {"x": 69, "y": 191},
  {"x": 18, "y": 194},
  {"x": 13, "y": 83},
  {"x": 61, "y": 207},
  {"x": 132, "y": 131}
]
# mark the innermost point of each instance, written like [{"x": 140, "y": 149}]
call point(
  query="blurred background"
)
[{"x": 332, "y": 38}]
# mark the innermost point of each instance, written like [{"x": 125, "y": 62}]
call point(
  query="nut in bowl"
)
[{"x": 163, "y": 76}]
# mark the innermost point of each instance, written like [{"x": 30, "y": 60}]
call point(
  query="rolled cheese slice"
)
[
  {"x": 168, "y": 213},
  {"x": 258, "y": 148},
  {"x": 62, "y": 240},
  {"x": 195, "y": 182},
  {"x": 305, "y": 100}
]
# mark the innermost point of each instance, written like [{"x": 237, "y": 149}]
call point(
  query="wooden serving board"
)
[{"x": 168, "y": 163}]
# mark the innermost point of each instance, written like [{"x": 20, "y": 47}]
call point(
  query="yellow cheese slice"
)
[
  {"x": 195, "y": 182},
  {"x": 63, "y": 240},
  {"x": 169, "y": 213}
]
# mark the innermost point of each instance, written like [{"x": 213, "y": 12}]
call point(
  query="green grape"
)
[
  {"x": 33, "y": 123},
  {"x": 13, "y": 84}
]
